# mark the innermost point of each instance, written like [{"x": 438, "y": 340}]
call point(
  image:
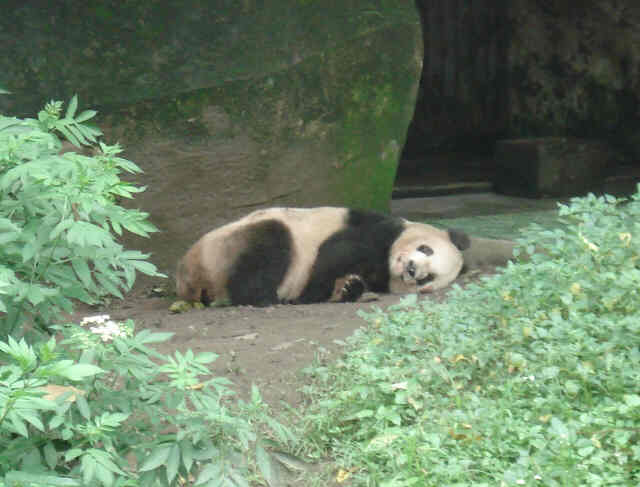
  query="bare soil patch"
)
[{"x": 263, "y": 346}]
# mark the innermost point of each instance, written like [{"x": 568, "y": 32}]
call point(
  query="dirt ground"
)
[{"x": 263, "y": 346}]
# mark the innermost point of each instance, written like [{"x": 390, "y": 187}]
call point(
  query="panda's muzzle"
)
[
  {"x": 411, "y": 270},
  {"x": 425, "y": 280}
]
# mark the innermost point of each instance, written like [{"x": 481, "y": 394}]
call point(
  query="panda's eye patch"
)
[
  {"x": 425, "y": 249},
  {"x": 424, "y": 280}
]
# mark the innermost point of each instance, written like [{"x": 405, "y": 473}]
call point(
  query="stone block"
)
[{"x": 550, "y": 166}]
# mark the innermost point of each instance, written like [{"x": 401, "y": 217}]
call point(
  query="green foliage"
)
[
  {"x": 58, "y": 216},
  {"x": 100, "y": 407},
  {"x": 103, "y": 408},
  {"x": 529, "y": 377}
]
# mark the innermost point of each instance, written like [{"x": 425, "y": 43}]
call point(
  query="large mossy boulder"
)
[{"x": 228, "y": 106}]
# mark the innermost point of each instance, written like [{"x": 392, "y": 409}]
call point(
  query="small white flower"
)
[
  {"x": 108, "y": 330},
  {"x": 537, "y": 477},
  {"x": 399, "y": 385},
  {"x": 96, "y": 319}
]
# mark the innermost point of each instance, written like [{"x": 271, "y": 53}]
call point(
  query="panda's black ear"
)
[{"x": 459, "y": 239}]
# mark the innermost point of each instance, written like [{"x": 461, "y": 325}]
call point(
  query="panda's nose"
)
[{"x": 411, "y": 268}]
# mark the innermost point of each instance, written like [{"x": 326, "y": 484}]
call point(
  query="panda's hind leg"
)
[{"x": 261, "y": 265}]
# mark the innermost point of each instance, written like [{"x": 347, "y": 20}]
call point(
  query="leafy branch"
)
[{"x": 59, "y": 218}]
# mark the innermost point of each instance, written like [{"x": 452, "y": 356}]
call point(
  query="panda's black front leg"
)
[
  {"x": 337, "y": 258},
  {"x": 348, "y": 289},
  {"x": 319, "y": 288}
]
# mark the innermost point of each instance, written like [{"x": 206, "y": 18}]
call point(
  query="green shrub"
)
[
  {"x": 529, "y": 377},
  {"x": 103, "y": 408},
  {"x": 95, "y": 405},
  {"x": 58, "y": 213}
]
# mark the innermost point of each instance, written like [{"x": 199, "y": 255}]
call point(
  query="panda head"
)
[{"x": 425, "y": 258}]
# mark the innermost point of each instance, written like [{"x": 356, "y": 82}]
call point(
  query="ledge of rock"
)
[{"x": 550, "y": 166}]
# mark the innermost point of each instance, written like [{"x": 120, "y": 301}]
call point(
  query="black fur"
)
[
  {"x": 365, "y": 218},
  {"x": 361, "y": 248},
  {"x": 352, "y": 289},
  {"x": 260, "y": 267},
  {"x": 459, "y": 239}
]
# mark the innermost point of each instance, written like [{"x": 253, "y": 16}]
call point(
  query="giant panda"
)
[{"x": 308, "y": 255}]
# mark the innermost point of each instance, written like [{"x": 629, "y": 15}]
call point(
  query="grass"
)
[{"x": 529, "y": 377}]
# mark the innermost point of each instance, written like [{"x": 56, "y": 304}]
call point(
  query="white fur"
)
[
  {"x": 207, "y": 263},
  {"x": 215, "y": 251},
  {"x": 445, "y": 263}
]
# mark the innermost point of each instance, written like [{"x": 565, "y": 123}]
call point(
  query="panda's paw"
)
[{"x": 348, "y": 289}]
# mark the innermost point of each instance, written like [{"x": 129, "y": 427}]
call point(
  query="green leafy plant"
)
[
  {"x": 529, "y": 377},
  {"x": 59, "y": 213},
  {"x": 103, "y": 408}
]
